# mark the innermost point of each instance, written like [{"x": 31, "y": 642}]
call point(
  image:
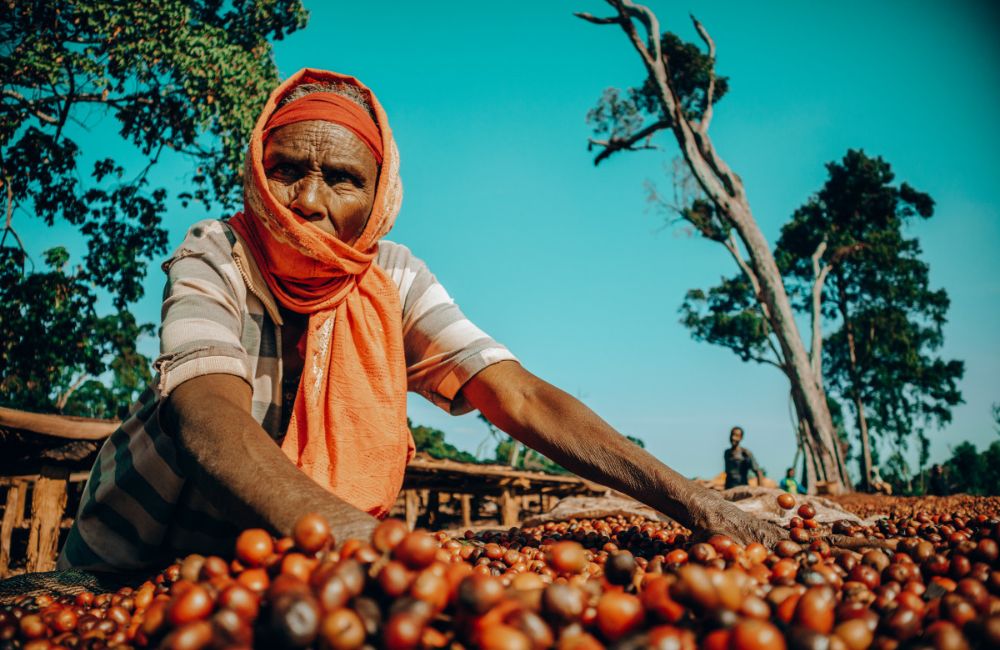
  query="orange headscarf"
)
[{"x": 348, "y": 429}]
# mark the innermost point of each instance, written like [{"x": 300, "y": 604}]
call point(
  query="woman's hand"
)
[{"x": 711, "y": 514}]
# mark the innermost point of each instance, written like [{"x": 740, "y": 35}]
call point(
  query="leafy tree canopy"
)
[
  {"x": 431, "y": 441},
  {"x": 182, "y": 75},
  {"x": 888, "y": 320},
  {"x": 619, "y": 114}
]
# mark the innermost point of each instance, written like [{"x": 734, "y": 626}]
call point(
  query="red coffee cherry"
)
[
  {"x": 253, "y": 546},
  {"x": 311, "y": 533}
]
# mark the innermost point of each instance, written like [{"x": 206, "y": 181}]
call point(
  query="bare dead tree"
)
[{"x": 732, "y": 224}]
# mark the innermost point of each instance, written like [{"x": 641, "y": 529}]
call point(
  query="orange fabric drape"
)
[{"x": 348, "y": 429}]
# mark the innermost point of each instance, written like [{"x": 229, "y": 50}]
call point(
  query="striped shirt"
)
[{"x": 218, "y": 316}]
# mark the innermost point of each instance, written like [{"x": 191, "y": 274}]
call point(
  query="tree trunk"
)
[
  {"x": 817, "y": 454},
  {"x": 808, "y": 458},
  {"x": 808, "y": 396},
  {"x": 724, "y": 188},
  {"x": 515, "y": 447},
  {"x": 866, "y": 450},
  {"x": 859, "y": 406}
]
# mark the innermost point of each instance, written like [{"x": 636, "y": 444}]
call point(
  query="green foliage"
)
[
  {"x": 637, "y": 441},
  {"x": 528, "y": 459},
  {"x": 188, "y": 76},
  {"x": 728, "y": 315},
  {"x": 431, "y": 441},
  {"x": 54, "y": 339},
  {"x": 888, "y": 322},
  {"x": 967, "y": 471},
  {"x": 619, "y": 114}
]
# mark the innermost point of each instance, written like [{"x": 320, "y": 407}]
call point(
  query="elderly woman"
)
[{"x": 291, "y": 333}]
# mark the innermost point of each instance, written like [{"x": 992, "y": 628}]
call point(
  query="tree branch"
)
[
  {"x": 819, "y": 278},
  {"x": 64, "y": 397},
  {"x": 611, "y": 145},
  {"x": 45, "y": 117},
  {"x": 68, "y": 104},
  {"x": 8, "y": 228},
  {"x": 591, "y": 18},
  {"x": 713, "y": 175},
  {"x": 771, "y": 362},
  {"x": 730, "y": 244},
  {"x": 706, "y": 113}
]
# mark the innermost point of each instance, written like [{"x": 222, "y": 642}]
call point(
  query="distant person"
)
[
  {"x": 789, "y": 484},
  {"x": 938, "y": 483},
  {"x": 878, "y": 484},
  {"x": 739, "y": 461}
]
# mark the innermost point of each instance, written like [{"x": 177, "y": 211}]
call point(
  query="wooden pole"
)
[
  {"x": 47, "y": 504},
  {"x": 433, "y": 508},
  {"x": 11, "y": 518},
  {"x": 466, "y": 510},
  {"x": 411, "y": 508},
  {"x": 509, "y": 510}
]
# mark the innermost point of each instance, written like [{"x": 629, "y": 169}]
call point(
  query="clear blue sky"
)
[{"x": 563, "y": 262}]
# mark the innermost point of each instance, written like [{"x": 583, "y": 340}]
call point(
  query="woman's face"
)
[{"x": 323, "y": 173}]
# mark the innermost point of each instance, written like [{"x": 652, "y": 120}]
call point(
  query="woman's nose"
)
[{"x": 308, "y": 199}]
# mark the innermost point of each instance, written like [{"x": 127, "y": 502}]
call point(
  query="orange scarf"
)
[{"x": 348, "y": 429}]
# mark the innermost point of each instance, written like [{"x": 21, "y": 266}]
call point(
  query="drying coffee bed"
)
[{"x": 920, "y": 578}]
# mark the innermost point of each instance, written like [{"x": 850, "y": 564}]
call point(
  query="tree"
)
[
  {"x": 178, "y": 75},
  {"x": 881, "y": 356},
  {"x": 432, "y": 442},
  {"x": 846, "y": 259},
  {"x": 678, "y": 95}
]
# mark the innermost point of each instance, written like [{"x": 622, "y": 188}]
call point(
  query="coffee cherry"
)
[
  {"x": 194, "y": 604},
  {"x": 402, "y": 632},
  {"x": 568, "y": 557},
  {"x": 806, "y": 511},
  {"x": 417, "y": 550},
  {"x": 294, "y": 619},
  {"x": 562, "y": 603},
  {"x": 478, "y": 593},
  {"x": 253, "y": 546},
  {"x": 756, "y": 635},
  {"x": 342, "y": 629},
  {"x": 311, "y": 533},
  {"x": 618, "y": 614},
  {"x": 389, "y": 533},
  {"x": 619, "y": 568}
]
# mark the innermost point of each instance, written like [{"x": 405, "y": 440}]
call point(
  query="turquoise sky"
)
[{"x": 564, "y": 263}]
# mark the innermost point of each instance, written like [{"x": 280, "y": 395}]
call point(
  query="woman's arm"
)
[
  {"x": 230, "y": 457},
  {"x": 561, "y": 427}
]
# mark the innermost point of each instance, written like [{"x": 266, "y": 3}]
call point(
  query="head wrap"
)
[
  {"x": 334, "y": 108},
  {"x": 348, "y": 429}
]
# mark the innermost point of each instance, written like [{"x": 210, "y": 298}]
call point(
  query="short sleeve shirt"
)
[
  {"x": 138, "y": 509},
  {"x": 738, "y": 463}
]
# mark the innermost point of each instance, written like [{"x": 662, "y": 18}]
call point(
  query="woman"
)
[{"x": 295, "y": 323}]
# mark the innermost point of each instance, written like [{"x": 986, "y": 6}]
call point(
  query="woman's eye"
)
[
  {"x": 336, "y": 178},
  {"x": 283, "y": 172}
]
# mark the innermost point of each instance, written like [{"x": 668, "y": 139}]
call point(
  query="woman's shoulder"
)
[
  {"x": 209, "y": 235},
  {"x": 399, "y": 262}
]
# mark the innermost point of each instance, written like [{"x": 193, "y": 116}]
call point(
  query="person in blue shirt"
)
[{"x": 789, "y": 484}]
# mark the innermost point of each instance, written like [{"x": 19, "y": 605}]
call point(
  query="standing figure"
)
[
  {"x": 789, "y": 484},
  {"x": 739, "y": 461}
]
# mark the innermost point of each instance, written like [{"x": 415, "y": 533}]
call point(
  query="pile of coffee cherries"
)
[{"x": 622, "y": 582}]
